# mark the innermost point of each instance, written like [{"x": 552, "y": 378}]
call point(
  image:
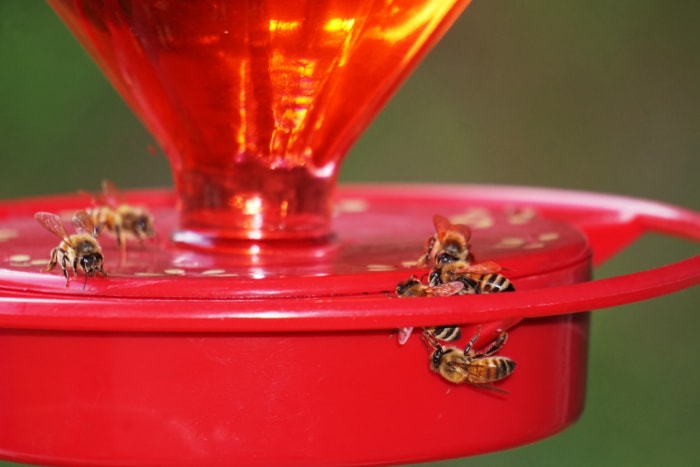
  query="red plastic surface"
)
[
  {"x": 212, "y": 359},
  {"x": 344, "y": 284}
]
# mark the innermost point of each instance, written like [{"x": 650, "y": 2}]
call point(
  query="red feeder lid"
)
[{"x": 345, "y": 283}]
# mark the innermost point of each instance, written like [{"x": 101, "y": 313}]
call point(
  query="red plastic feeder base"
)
[{"x": 288, "y": 356}]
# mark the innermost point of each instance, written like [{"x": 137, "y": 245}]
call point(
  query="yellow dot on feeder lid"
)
[
  {"x": 175, "y": 272},
  {"x": 475, "y": 218},
  {"x": 213, "y": 272},
  {"x": 20, "y": 258},
  {"x": 510, "y": 242},
  {"x": 7, "y": 234},
  {"x": 352, "y": 205},
  {"x": 380, "y": 267},
  {"x": 521, "y": 216},
  {"x": 548, "y": 236},
  {"x": 147, "y": 274}
]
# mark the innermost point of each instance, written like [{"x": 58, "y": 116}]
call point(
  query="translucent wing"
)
[
  {"x": 445, "y": 290},
  {"x": 442, "y": 225},
  {"x": 487, "y": 267},
  {"x": 111, "y": 194},
  {"x": 83, "y": 223},
  {"x": 52, "y": 223},
  {"x": 404, "y": 334}
]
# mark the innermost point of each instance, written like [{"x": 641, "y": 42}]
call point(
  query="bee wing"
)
[
  {"x": 111, "y": 194},
  {"x": 83, "y": 223},
  {"x": 463, "y": 230},
  {"x": 404, "y": 334},
  {"x": 442, "y": 224},
  {"x": 487, "y": 267},
  {"x": 446, "y": 289},
  {"x": 52, "y": 223},
  {"x": 94, "y": 199}
]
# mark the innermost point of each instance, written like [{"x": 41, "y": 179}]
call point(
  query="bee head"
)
[
  {"x": 436, "y": 357},
  {"x": 454, "y": 246},
  {"x": 91, "y": 264},
  {"x": 403, "y": 289},
  {"x": 445, "y": 258},
  {"x": 434, "y": 277},
  {"x": 437, "y": 351}
]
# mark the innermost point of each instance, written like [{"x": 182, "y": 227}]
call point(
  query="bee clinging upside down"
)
[
  {"x": 477, "y": 278},
  {"x": 79, "y": 250},
  {"x": 466, "y": 366}
]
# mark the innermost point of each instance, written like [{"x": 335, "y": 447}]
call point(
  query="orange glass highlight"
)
[{"x": 255, "y": 102}]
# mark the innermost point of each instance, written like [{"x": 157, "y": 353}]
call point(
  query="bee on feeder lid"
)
[
  {"x": 79, "y": 250},
  {"x": 449, "y": 239},
  {"x": 479, "y": 369},
  {"x": 477, "y": 278},
  {"x": 121, "y": 219}
]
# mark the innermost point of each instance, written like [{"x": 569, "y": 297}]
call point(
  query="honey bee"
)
[
  {"x": 79, "y": 250},
  {"x": 122, "y": 219},
  {"x": 413, "y": 287},
  {"x": 450, "y": 242},
  {"x": 477, "y": 278},
  {"x": 479, "y": 369}
]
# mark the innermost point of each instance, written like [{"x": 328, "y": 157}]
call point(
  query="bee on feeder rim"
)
[
  {"x": 121, "y": 219},
  {"x": 413, "y": 287},
  {"x": 449, "y": 239},
  {"x": 477, "y": 278},
  {"x": 79, "y": 250},
  {"x": 479, "y": 369}
]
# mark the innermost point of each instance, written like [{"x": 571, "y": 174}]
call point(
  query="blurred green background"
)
[{"x": 597, "y": 95}]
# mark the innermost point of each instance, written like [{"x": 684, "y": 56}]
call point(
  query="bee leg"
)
[
  {"x": 120, "y": 237},
  {"x": 496, "y": 345},
  {"x": 430, "y": 341},
  {"x": 468, "y": 349},
  {"x": 98, "y": 229},
  {"x": 53, "y": 261},
  {"x": 75, "y": 267},
  {"x": 489, "y": 387},
  {"x": 64, "y": 266}
]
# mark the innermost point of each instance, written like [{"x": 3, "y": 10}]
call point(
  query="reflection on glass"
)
[{"x": 255, "y": 102}]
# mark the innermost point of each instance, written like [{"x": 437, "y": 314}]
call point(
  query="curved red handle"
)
[{"x": 610, "y": 223}]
